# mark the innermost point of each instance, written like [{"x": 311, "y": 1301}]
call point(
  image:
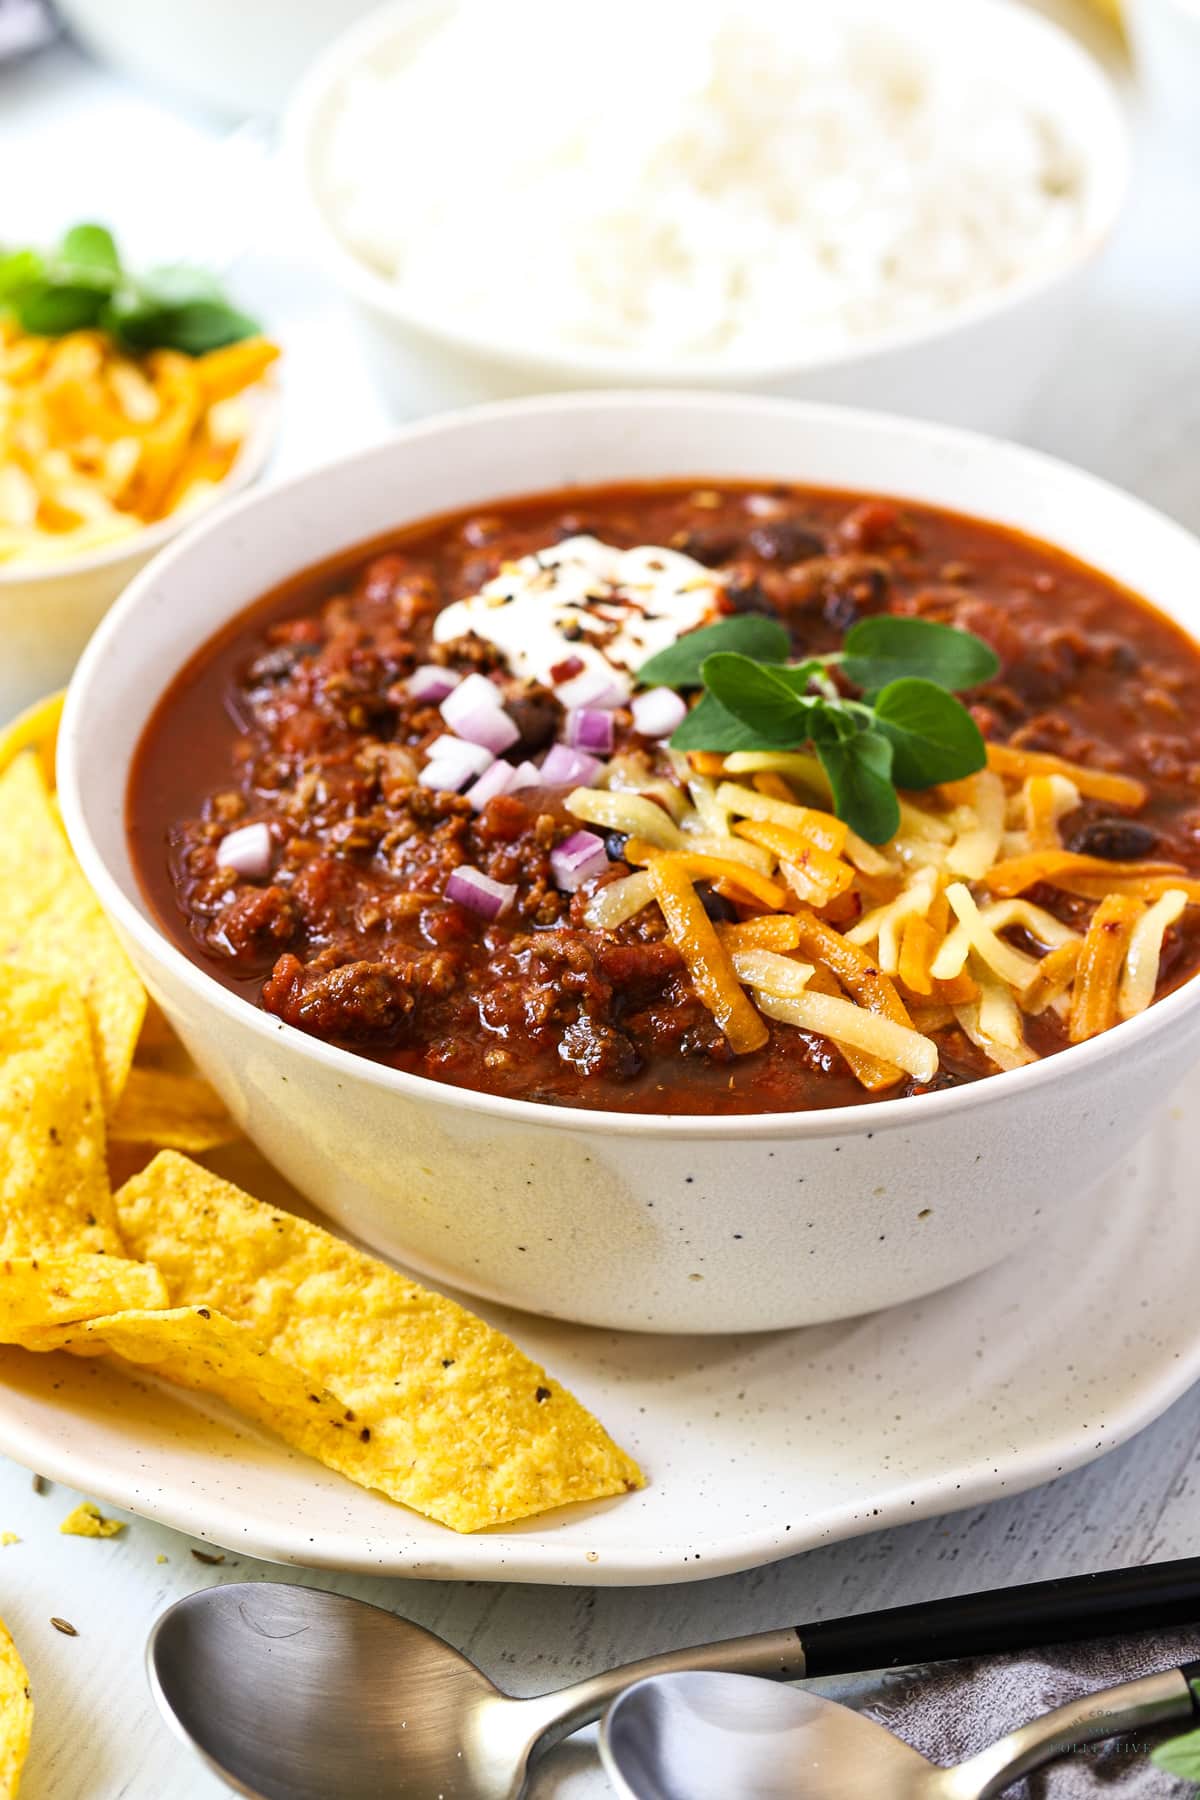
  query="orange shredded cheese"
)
[
  {"x": 702, "y": 867},
  {"x": 1090, "y": 876},
  {"x": 1094, "y": 996},
  {"x": 1056, "y": 972},
  {"x": 770, "y": 931},
  {"x": 872, "y": 1072},
  {"x": 692, "y": 932},
  {"x": 856, "y": 971},
  {"x": 1095, "y": 784}
]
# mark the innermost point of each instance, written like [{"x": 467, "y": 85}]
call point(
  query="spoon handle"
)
[
  {"x": 1139, "y": 1705},
  {"x": 1114, "y": 1602}
]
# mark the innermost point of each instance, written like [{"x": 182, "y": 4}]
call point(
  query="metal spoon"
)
[
  {"x": 705, "y": 1737},
  {"x": 291, "y": 1693}
]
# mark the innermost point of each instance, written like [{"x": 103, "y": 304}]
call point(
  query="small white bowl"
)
[
  {"x": 977, "y": 365},
  {"x": 620, "y": 1219},
  {"x": 48, "y": 613}
]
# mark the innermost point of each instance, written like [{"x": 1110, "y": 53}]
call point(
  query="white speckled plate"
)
[{"x": 754, "y": 1447}]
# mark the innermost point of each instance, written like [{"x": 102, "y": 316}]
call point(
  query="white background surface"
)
[{"x": 1125, "y": 401}]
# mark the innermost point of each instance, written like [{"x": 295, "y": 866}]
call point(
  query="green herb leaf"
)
[
  {"x": 1180, "y": 1756},
  {"x": 750, "y": 634},
  {"x": 886, "y": 648},
  {"x": 19, "y": 269},
  {"x": 759, "y": 694},
  {"x": 709, "y": 727},
  {"x": 195, "y": 328},
  {"x": 50, "y": 310},
  {"x": 932, "y": 735},
  {"x": 860, "y": 773},
  {"x": 91, "y": 246}
]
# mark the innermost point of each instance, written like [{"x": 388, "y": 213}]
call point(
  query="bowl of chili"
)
[{"x": 651, "y": 1037}]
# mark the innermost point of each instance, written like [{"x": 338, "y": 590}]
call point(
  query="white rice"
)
[{"x": 719, "y": 179}]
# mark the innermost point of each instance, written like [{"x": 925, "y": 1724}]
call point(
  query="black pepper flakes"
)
[
  {"x": 540, "y": 1394},
  {"x": 207, "y": 1556}
]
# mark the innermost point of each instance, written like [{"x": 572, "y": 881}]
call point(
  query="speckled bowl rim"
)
[{"x": 901, "y": 1114}]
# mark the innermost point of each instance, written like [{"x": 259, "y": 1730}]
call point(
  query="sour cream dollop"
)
[{"x": 611, "y": 609}]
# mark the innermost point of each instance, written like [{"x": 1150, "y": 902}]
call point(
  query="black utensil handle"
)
[{"x": 1016, "y": 1618}]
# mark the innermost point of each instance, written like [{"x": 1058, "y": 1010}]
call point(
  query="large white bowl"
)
[
  {"x": 650, "y": 1223},
  {"x": 979, "y": 364}
]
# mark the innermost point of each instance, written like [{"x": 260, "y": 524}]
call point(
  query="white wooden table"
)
[{"x": 1125, "y": 401}]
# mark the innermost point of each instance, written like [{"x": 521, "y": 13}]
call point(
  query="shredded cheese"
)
[
  {"x": 780, "y": 976},
  {"x": 620, "y": 900},
  {"x": 973, "y": 933},
  {"x": 979, "y": 827},
  {"x": 846, "y": 1023},
  {"x": 1145, "y": 953},
  {"x": 630, "y": 813}
]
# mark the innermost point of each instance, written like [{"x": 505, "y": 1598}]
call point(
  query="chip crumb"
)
[
  {"x": 7, "y": 1538},
  {"x": 160, "y": 1558},
  {"x": 206, "y": 1556},
  {"x": 65, "y": 1626},
  {"x": 40, "y": 1485},
  {"x": 87, "y": 1521}
]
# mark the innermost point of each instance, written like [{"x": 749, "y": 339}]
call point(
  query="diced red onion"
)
[
  {"x": 479, "y": 893},
  {"x": 657, "y": 712},
  {"x": 488, "y": 725},
  {"x": 472, "y": 759},
  {"x": 496, "y": 780},
  {"x": 582, "y": 856},
  {"x": 431, "y": 684},
  {"x": 247, "y": 851},
  {"x": 525, "y": 775},
  {"x": 590, "y": 729},
  {"x": 603, "y": 688},
  {"x": 476, "y": 691},
  {"x": 564, "y": 767}
]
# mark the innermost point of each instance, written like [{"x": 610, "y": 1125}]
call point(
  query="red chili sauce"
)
[{"x": 296, "y": 714}]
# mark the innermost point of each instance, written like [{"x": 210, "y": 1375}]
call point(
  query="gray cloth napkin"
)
[{"x": 950, "y": 1710}]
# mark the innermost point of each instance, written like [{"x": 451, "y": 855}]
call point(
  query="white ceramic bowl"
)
[
  {"x": 47, "y": 614},
  {"x": 651, "y": 1223},
  {"x": 978, "y": 365}
]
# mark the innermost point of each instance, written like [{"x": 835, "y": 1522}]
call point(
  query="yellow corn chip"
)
[
  {"x": 36, "y": 1291},
  {"x": 443, "y": 1412},
  {"x": 88, "y": 1521},
  {"x": 54, "y": 1192},
  {"x": 16, "y": 1716},
  {"x": 34, "y": 729},
  {"x": 51, "y": 920},
  {"x": 173, "y": 1112}
]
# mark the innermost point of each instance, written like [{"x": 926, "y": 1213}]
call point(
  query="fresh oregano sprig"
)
[
  {"x": 81, "y": 284},
  {"x": 905, "y": 730}
]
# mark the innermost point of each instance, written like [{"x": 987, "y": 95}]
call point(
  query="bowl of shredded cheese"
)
[
  {"x": 105, "y": 455},
  {"x": 853, "y": 203}
]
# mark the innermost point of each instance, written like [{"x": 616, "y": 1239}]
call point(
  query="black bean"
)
[
  {"x": 785, "y": 541},
  {"x": 536, "y": 717},
  {"x": 748, "y": 597},
  {"x": 1117, "y": 840},
  {"x": 847, "y": 601},
  {"x": 718, "y": 908},
  {"x": 709, "y": 544},
  {"x": 614, "y": 843}
]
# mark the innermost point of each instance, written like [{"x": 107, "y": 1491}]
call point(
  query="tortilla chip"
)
[
  {"x": 34, "y": 729},
  {"x": 16, "y": 1716},
  {"x": 88, "y": 1521},
  {"x": 60, "y": 1290},
  {"x": 51, "y": 920},
  {"x": 173, "y": 1112},
  {"x": 54, "y": 1192},
  {"x": 448, "y": 1416}
]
